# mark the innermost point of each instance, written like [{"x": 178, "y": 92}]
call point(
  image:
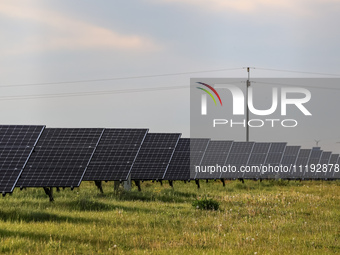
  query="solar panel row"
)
[{"x": 35, "y": 156}]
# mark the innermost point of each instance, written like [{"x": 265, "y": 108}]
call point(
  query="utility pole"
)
[{"x": 247, "y": 116}]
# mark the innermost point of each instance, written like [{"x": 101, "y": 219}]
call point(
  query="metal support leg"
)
[
  {"x": 137, "y": 182},
  {"x": 99, "y": 186},
  {"x": 223, "y": 182},
  {"x": 197, "y": 183}
]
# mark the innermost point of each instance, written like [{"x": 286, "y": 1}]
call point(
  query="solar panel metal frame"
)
[
  {"x": 115, "y": 145},
  {"x": 24, "y": 181},
  {"x": 16, "y": 148}
]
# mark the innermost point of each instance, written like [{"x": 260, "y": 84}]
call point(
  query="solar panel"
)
[
  {"x": 16, "y": 146},
  {"x": 273, "y": 160},
  {"x": 188, "y": 153},
  {"x": 301, "y": 163},
  {"x": 313, "y": 161},
  {"x": 288, "y": 161},
  {"x": 61, "y": 157},
  {"x": 277, "y": 147},
  {"x": 261, "y": 148},
  {"x": 238, "y": 157},
  {"x": 336, "y": 171},
  {"x": 154, "y": 156},
  {"x": 332, "y": 168},
  {"x": 115, "y": 154},
  {"x": 325, "y": 157},
  {"x": 256, "y": 160},
  {"x": 215, "y": 155}
]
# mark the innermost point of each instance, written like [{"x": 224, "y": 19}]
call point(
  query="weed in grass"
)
[{"x": 206, "y": 204}]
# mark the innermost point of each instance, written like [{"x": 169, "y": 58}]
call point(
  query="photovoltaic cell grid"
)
[
  {"x": 115, "y": 154},
  {"x": 289, "y": 159},
  {"x": 61, "y": 157},
  {"x": 336, "y": 172},
  {"x": 273, "y": 160},
  {"x": 16, "y": 145},
  {"x": 256, "y": 160},
  {"x": 324, "y": 161},
  {"x": 188, "y": 152},
  {"x": 332, "y": 168},
  {"x": 215, "y": 154},
  {"x": 301, "y": 162},
  {"x": 313, "y": 161},
  {"x": 154, "y": 156},
  {"x": 238, "y": 156}
]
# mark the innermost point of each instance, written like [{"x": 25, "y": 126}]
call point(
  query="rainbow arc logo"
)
[{"x": 209, "y": 93}]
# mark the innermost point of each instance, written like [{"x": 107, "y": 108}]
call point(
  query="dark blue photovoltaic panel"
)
[
  {"x": 325, "y": 157},
  {"x": 256, "y": 160},
  {"x": 331, "y": 169},
  {"x": 336, "y": 171},
  {"x": 188, "y": 153},
  {"x": 288, "y": 160},
  {"x": 238, "y": 157},
  {"x": 115, "y": 154},
  {"x": 154, "y": 156},
  {"x": 60, "y": 158},
  {"x": 16, "y": 145},
  {"x": 313, "y": 161},
  {"x": 301, "y": 163},
  {"x": 273, "y": 160},
  {"x": 215, "y": 154},
  {"x": 277, "y": 147}
]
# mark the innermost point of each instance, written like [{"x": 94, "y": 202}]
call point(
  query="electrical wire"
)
[
  {"x": 292, "y": 71},
  {"x": 294, "y": 85},
  {"x": 95, "y": 93},
  {"x": 118, "y": 78}
]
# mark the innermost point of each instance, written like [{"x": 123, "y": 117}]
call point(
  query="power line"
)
[
  {"x": 292, "y": 71},
  {"x": 92, "y": 93},
  {"x": 295, "y": 85},
  {"x": 118, "y": 78},
  {"x": 150, "y": 89}
]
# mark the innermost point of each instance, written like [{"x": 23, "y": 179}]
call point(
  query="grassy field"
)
[{"x": 269, "y": 217}]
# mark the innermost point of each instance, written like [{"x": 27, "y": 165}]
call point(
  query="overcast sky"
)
[{"x": 56, "y": 41}]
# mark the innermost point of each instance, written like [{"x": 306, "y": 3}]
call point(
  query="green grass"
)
[{"x": 269, "y": 217}]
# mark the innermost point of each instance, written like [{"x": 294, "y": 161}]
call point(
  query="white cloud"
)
[{"x": 55, "y": 31}]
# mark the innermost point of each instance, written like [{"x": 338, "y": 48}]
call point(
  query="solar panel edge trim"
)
[
  {"x": 134, "y": 160},
  {"x": 28, "y": 157},
  {"x": 95, "y": 148},
  {"x": 166, "y": 169}
]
